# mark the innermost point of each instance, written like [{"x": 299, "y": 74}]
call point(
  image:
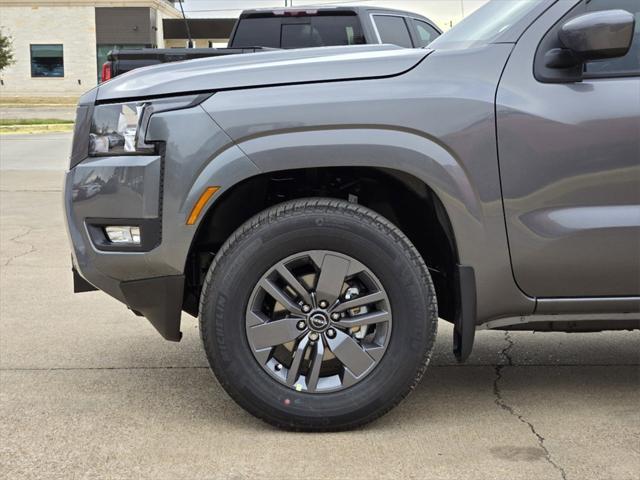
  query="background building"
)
[
  {"x": 205, "y": 32},
  {"x": 60, "y": 44}
]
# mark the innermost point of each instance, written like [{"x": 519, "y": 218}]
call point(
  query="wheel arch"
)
[
  {"x": 405, "y": 200},
  {"x": 414, "y": 160}
]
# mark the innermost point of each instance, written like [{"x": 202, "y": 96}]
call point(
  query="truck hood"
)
[{"x": 279, "y": 67}]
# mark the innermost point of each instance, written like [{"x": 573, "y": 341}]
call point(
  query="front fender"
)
[
  {"x": 362, "y": 146},
  {"x": 359, "y": 146},
  {"x": 477, "y": 229},
  {"x": 435, "y": 122}
]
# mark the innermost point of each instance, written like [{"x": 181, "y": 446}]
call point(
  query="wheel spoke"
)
[
  {"x": 297, "y": 313},
  {"x": 273, "y": 333},
  {"x": 294, "y": 283},
  {"x": 298, "y": 356},
  {"x": 350, "y": 353},
  {"x": 256, "y": 318},
  {"x": 332, "y": 274},
  {"x": 316, "y": 364},
  {"x": 280, "y": 296},
  {"x": 359, "y": 302},
  {"x": 364, "y": 319}
]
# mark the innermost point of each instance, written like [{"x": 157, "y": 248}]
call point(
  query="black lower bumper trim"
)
[
  {"x": 159, "y": 299},
  {"x": 80, "y": 285}
]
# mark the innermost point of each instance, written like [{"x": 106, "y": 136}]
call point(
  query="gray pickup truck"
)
[{"x": 320, "y": 209}]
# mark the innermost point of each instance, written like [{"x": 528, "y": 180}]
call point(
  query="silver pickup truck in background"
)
[{"x": 287, "y": 28}]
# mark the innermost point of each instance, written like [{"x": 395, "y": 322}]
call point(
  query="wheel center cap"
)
[{"x": 318, "y": 321}]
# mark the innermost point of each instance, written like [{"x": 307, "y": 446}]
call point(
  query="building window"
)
[{"x": 47, "y": 61}]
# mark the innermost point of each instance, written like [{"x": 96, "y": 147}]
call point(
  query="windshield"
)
[{"x": 486, "y": 23}]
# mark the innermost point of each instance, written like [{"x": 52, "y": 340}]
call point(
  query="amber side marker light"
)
[{"x": 202, "y": 201}]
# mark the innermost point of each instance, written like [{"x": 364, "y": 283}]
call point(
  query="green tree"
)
[{"x": 6, "y": 51}]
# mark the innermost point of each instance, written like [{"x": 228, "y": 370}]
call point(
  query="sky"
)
[{"x": 444, "y": 12}]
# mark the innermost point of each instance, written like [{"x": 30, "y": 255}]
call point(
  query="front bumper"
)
[
  {"x": 155, "y": 192},
  {"x": 122, "y": 190}
]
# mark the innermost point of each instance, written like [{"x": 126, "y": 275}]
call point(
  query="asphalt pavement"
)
[{"x": 88, "y": 390}]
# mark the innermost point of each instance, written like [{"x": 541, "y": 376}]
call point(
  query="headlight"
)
[
  {"x": 120, "y": 128},
  {"x": 115, "y": 129}
]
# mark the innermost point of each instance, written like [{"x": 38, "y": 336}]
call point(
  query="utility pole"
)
[{"x": 462, "y": 7}]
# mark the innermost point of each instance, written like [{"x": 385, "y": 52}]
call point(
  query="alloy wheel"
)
[{"x": 318, "y": 321}]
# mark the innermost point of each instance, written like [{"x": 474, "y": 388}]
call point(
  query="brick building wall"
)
[{"x": 73, "y": 27}]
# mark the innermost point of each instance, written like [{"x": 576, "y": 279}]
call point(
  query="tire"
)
[{"x": 383, "y": 258}]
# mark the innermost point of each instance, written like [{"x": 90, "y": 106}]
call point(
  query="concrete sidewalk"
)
[{"x": 89, "y": 390}]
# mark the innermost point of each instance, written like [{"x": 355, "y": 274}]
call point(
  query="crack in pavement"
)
[
  {"x": 501, "y": 402},
  {"x": 14, "y": 239}
]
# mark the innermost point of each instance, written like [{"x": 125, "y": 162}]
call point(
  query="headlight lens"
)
[
  {"x": 120, "y": 128},
  {"x": 115, "y": 129}
]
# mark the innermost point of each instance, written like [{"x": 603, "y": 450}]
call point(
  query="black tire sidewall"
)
[{"x": 238, "y": 271}]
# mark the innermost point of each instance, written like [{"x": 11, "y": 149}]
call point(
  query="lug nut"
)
[
  {"x": 313, "y": 336},
  {"x": 306, "y": 308},
  {"x": 301, "y": 325},
  {"x": 323, "y": 304},
  {"x": 331, "y": 333},
  {"x": 335, "y": 316}
]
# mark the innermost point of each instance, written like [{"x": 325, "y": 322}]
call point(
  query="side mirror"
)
[
  {"x": 599, "y": 35},
  {"x": 592, "y": 36}
]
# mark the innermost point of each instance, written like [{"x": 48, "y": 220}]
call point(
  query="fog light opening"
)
[{"x": 123, "y": 235}]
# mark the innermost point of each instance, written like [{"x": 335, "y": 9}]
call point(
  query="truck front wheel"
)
[{"x": 318, "y": 314}]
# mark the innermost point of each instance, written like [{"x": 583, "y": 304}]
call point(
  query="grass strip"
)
[{"x": 33, "y": 121}]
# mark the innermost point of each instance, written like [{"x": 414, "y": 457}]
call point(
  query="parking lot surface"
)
[{"x": 88, "y": 390}]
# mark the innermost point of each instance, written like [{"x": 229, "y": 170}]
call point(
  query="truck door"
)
[{"x": 569, "y": 156}]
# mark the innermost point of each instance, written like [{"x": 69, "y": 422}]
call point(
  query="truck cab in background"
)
[
  {"x": 289, "y": 28},
  {"x": 331, "y": 26}
]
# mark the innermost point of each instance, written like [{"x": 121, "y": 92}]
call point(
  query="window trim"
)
[
  {"x": 31, "y": 45},
  {"x": 404, "y": 19}
]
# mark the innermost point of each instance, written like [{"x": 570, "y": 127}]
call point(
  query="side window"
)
[
  {"x": 47, "y": 61},
  {"x": 630, "y": 63},
  {"x": 426, "y": 33},
  {"x": 393, "y": 30}
]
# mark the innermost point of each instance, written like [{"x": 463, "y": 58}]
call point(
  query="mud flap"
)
[
  {"x": 158, "y": 299},
  {"x": 465, "y": 327}
]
